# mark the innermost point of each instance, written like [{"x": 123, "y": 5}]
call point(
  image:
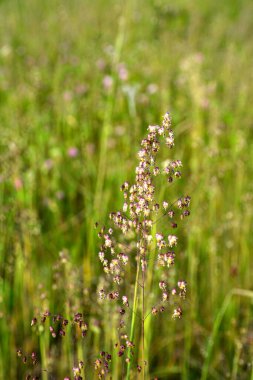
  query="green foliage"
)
[{"x": 80, "y": 81}]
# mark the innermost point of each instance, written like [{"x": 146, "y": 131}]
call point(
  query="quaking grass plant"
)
[
  {"x": 138, "y": 251},
  {"x": 137, "y": 254}
]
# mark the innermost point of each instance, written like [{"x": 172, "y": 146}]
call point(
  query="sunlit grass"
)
[{"x": 63, "y": 87}]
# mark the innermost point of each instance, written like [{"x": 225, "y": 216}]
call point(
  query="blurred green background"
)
[{"x": 80, "y": 81}]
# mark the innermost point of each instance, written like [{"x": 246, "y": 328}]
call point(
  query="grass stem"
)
[{"x": 134, "y": 310}]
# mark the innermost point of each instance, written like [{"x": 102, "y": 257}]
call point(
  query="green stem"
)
[
  {"x": 216, "y": 326},
  {"x": 108, "y": 116},
  {"x": 148, "y": 287},
  {"x": 143, "y": 322},
  {"x": 43, "y": 353},
  {"x": 134, "y": 311}
]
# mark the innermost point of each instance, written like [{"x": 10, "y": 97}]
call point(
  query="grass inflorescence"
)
[{"x": 138, "y": 257}]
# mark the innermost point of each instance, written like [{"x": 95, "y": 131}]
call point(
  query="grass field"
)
[{"x": 80, "y": 81}]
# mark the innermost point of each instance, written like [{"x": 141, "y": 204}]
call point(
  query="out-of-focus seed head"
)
[
  {"x": 34, "y": 322},
  {"x": 177, "y": 313}
]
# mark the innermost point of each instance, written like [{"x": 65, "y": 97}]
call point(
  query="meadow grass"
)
[{"x": 80, "y": 82}]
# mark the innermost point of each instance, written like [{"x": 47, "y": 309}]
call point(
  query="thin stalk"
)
[
  {"x": 216, "y": 326},
  {"x": 236, "y": 361},
  {"x": 107, "y": 123},
  {"x": 134, "y": 310},
  {"x": 43, "y": 353},
  {"x": 148, "y": 286},
  {"x": 114, "y": 336},
  {"x": 251, "y": 377},
  {"x": 105, "y": 134},
  {"x": 143, "y": 321}
]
